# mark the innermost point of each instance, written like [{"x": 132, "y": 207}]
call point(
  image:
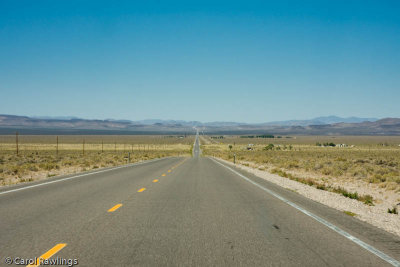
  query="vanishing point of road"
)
[{"x": 181, "y": 212}]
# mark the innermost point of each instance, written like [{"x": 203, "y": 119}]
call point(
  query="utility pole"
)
[
  {"x": 57, "y": 146},
  {"x": 16, "y": 141}
]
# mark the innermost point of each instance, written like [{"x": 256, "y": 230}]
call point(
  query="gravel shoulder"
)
[{"x": 375, "y": 215}]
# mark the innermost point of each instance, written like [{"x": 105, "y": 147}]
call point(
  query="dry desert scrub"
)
[
  {"x": 374, "y": 162},
  {"x": 38, "y": 158}
]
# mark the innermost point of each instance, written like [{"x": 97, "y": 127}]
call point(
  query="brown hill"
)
[{"x": 11, "y": 123}]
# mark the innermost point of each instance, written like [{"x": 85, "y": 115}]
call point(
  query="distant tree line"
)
[
  {"x": 325, "y": 144},
  {"x": 260, "y": 136},
  {"x": 277, "y": 147}
]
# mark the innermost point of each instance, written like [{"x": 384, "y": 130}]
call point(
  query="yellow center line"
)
[
  {"x": 48, "y": 254},
  {"x": 141, "y": 189},
  {"x": 155, "y": 181},
  {"x": 115, "y": 208}
]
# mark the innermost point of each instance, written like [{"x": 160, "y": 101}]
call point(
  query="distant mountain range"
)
[
  {"x": 320, "y": 121},
  {"x": 57, "y": 125},
  {"x": 330, "y": 125}
]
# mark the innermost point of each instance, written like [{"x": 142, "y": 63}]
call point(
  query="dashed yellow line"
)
[
  {"x": 60, "y": 246},
  {"x": 48, "y": 254},
  {"x": 115, "y": 208},
  {"x": 175, "y": 166}
]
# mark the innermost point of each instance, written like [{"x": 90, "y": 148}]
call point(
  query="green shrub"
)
[
  {"x": 269, "y": 147},
  {"x": 393, "y": 211},
  {"x": 367, "y": 199}
]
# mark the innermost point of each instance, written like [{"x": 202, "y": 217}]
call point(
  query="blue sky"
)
[{"x": 249, "y": 61}]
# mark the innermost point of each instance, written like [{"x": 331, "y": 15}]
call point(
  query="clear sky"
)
[{"x": 242, "y": 61}]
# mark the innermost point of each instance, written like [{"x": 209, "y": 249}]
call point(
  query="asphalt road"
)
[{"x": 182, "y": 212}]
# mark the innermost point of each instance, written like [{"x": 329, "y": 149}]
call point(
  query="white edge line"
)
[
  {"x": 79, "y": 175},
  {"x": 362, "y": 244}
]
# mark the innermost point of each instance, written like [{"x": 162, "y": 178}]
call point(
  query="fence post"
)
[
  {"x": 129, "y": 157},
  {"x": 57, "y": 146},
  {"x": 83, "y": 146},
  {"x": 16, "y": 141},
  {"x": 102, "y": 148}
]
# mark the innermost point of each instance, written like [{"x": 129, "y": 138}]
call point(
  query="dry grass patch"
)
[
  {"x": 38, "y": 157},
  {"x": 369, "y": 160}
]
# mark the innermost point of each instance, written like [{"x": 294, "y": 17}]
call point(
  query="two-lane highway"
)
[{"x": 183, "y": 212}]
